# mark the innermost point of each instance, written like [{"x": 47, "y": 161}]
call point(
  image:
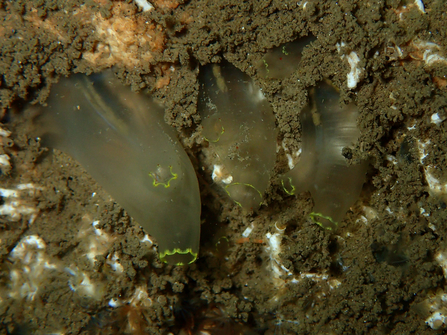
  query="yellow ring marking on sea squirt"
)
[
  {"x": 292, "y": 192},
  {"x": 178, "y": 251},
  {"x": 314, "y": 216},
  {"x": 222, "y": 238},
  {"x": 266, "y": 66},
  {"x": 155, "y": 177},
  {"x": 218, "y": 138},
  {"x": 249, "y": 185}
]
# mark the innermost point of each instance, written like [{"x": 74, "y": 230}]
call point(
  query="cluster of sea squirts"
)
[{"x": 121, "y": 139}]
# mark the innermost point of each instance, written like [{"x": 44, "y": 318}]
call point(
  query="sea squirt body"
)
[
  {"x": 327, "y": 128},
  {"x": 282, "y": 61},
  {"x": 121, "y": 139},
  {"x": 239, "y": 124}
]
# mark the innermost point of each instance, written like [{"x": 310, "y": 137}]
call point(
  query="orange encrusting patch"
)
[
  {"x": 440, "y": 82},
  {"x": 166, "y": 4},
  {"x": 164, "y": 79},
  {"x": 247, "y": 239},
  {"x": 125, "y": 38},
  {"x": 48, "y": 25},
  {"x": 422, "y": 53}
]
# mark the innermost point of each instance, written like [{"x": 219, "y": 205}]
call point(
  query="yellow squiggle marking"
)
[
  {"x": 249, "y": 185},
  {"x": 266, "y": 66},
  {"x": 292, "y": 192},
  {"x": 314, "y": 217},
  {"x": 178, "y": 251},
  {"x": 166, "y": 185},
  {"x": 218, "y": 138}
]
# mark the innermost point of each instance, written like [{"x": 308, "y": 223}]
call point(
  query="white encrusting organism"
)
[
  {"x": 140, "y": 297},
  {"x": 292, "y": 157},
  {"x": 114, "y": 262},
  {"x": 4, "y": 160},
  {"x": 353, "y": 77},
  {"x": 273, "y": 250},
  {"x": 140, "y": 301},
  {"x": 96, "y": 242},
  {"x": 31, "y": 267},
  {"x": 247, "y": 232},
  {"x": 437, "y": 119},
  {"x": 422, "y": 147},
  {"x": 436, "y": 320},
  {"x": 5, "y": 164},
  {"x": 17, "y": 204},
  {"x": 146, "y": 239},
  {"x": 144, "y": 5},
  {"x": 280, "y": 275},
  {"x": 4, "y": 132},
  {"x": 432, "y": 52},
  {"x": 83, "y": 285},
  {"x": 221, "y": 175},
  {"x": 437, "y": 303},
  {"x": 441, "y": 257},
  {"x": 436, "y": 186},
  {"x": 114, "y": 303},
  {"x": 420, "y": 5}
]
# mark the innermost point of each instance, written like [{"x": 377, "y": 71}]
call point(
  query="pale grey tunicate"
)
[
  {"x": 327, "y": 128},
  {"x": 239, "y": 124},
  {"x": 121, "y": 139}
]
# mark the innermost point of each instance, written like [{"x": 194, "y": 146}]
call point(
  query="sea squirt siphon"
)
[
  {"x": 239, "y": 124},
  {"x": 121, "y": 139},
  {"x": 327, "y": 129}
]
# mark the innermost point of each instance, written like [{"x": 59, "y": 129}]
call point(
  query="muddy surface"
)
[{"x": 382, "y": 272}]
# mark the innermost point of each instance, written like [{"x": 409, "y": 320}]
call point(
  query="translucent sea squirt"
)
[
  {"x": 327, "y": 129},
  {"x": 239, "y": 124},
  {"x": 121, "y": 139},
  {"x": 282, "y": 61}
]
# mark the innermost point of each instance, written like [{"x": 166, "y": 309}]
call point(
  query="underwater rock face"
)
[
  {"x": 327, "y": 128},
  {"x": 239, "y": 124},
  {"x": 121, "y": 139}
]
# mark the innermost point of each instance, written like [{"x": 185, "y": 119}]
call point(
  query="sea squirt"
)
[
  {"x": 239, "y": 124},
  {"x": 327, "y": 129},
  {"x": 121, "y": 139},
  {"x": 280, "y": 62}
]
